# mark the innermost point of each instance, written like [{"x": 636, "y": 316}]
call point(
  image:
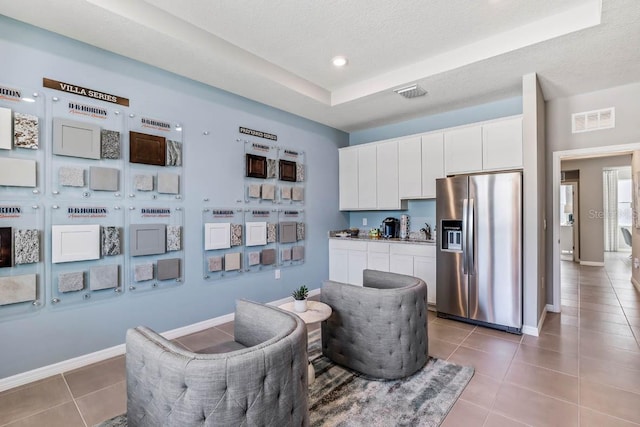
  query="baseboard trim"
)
[
  {"x": 117, "y": 350},
  {"x": 636, "y": 284},
  {"x": 535, "y": 331},
  {"x": 553, "y": 309},
  {"x": 592, "y": 263}
]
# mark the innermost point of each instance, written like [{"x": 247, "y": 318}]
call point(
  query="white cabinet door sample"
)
[
  {"x": 256, "y": 233},
  {"x": 367, "y": 177},
  {"x": 410, "y": 168},
  {"x": 348, "y": 178},
  {"x": 6, "y": 124},
  {"x": 217, "y": 235},
  {"x": 502, "y": 144},
  {"x": 463, "y": 150},
  {"x": 75, "y": 243}
]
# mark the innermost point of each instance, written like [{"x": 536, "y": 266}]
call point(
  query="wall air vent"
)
[
  {"x": 412, "y": 91},
  {"x": 593, "y": 120}
]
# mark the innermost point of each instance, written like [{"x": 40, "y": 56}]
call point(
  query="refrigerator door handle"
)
[
  {"x": 465, "y": 221},
  {"x": 470, "y": 237}
]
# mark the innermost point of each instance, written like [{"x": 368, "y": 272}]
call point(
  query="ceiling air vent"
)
[
  {"x": 593, "y": 120},
  {"x": 412, "y": 91}
]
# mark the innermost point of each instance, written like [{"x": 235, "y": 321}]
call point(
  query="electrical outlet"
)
[
  {"x": 278, "y": 274},
  {"x": 364, "y": 221}
]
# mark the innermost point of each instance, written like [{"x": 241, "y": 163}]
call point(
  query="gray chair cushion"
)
[
  {"x": 263, "y": 384},
  {"x": 379, "y": 329}
]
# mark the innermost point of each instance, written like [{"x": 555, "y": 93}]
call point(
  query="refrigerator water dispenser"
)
[{"x": 451, "y": 235}]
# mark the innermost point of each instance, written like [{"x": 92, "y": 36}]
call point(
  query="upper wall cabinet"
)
[
  {"x": 463, "y": 150},
  {"x": 387, "y": 175},
  {"x": 367, "y": 177},
  {"x": 502, "y": 144},
  {"x": 420, "y": 160},
  {"x": 348, "y": 179}
]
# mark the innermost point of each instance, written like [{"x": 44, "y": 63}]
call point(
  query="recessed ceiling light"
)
[{"x": 339, "y": 61}]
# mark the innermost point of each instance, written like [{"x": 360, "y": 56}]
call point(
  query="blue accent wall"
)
[
  {"x": 419, "y": 211},
  {"x": 213, "y": 168}
]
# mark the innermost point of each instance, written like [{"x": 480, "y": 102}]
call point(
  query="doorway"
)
[{"x": 569, "y": 221}]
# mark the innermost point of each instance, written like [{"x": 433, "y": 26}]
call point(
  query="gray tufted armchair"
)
[
  {"x": 263, "y": 384},
  {"x": 379, "y": 329}
]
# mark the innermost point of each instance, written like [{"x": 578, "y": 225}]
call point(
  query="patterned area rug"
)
[{"x": 340, "y": 397}]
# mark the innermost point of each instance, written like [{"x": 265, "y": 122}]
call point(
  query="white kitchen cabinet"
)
[
  {"x": 502, "y": 144},
  {"x": 387, "y": 175},
  {"x": 432, "y": 162},
  {"x": 357, "y": 264},
  {"x": 367, "y": 177},
  {"x": 410, "y": 167},
  {"x": 348, "y": 178},
  {"x": 401, "y": 264},
  {"x": 378, "y": 256},
  {"x": 425, "y": 268},
  {"x": 463, "y": 150},
  {"x": 338, "y": 264},
  {"x": 347, "y": 260},
  {"x": 418, "y": 261}
]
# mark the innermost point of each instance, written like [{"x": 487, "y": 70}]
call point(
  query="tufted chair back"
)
[
  {"x": 379, "y": 329},
  {"x": 264, "y": 384}
]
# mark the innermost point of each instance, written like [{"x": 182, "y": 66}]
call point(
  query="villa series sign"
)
[{"x": 83, "y": 91}]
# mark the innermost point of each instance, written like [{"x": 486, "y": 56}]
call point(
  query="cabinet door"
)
[
  {"x": 339, "y": 265},
  {"x": 367, "y": 177},
  {"x": 387, "y": 175},
  {"x": 463, "y": 150},
  {"x": 357, "y": 263},
  {"x": 502, "y": 144},
  {"x": 410, "y": 168},
  {"x": 425, "y": 269},
  {"x": 378, "y": 261},
  {"x": 401, "y": 264},
  {"x": 348, "y": 178},
  {"x": 432, "y": 162}
]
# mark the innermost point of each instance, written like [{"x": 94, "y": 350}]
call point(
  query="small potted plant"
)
[{"x": 300, "y": 299}]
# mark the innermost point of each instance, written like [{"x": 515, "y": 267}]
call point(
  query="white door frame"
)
[{"x": 558, "y": 156}]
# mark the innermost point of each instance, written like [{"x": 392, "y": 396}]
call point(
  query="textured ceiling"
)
[{"x": 278, "y": 52}]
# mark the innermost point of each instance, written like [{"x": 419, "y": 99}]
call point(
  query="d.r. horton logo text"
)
[
  {"x": 87, "y": 212},
  {"x": 155, "y": 212},
  {"x": 87, "y": 110},
  {"x": 7, "y": 93},
  {"x": 10, "y": 211}
]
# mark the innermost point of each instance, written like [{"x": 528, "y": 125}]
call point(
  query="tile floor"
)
[{"x": 584, "y": 369}]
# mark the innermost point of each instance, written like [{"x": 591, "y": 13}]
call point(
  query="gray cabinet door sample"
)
[
  {"x": 147, "y": 239},
  {"x": 288, "y": 232},
  {"x": 76, "y": 139},
  {"x": 168, "y": 268}
]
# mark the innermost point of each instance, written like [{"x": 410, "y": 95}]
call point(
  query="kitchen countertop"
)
[{"x": 383, "y": 240}]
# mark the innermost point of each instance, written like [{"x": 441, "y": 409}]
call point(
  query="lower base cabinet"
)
[{"x": 418, "y": 261}]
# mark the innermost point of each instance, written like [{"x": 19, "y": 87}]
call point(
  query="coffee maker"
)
[{"x": 390, "y": 227}]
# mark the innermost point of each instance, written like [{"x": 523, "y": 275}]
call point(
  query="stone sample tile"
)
[
  {"x": 299, "y": 172},
  {"x": 232, "y": 261},
  {"x": 17, "y": 172},
  {"x": 254, "y": 258},
  {"x": 142, "y": 272},
  {"x": 15, "y": 289},
  {"x": 174, "y": 237},
  {"x": 174, "y": 153},
  {"x": 71, "y": 282},
  {"x": 272, "y": 232},
  {"x": 285, "y": 254},
  {"x": 104, "y": 277},
  {"x": 71, "y": 177},
  {"x": 288, "y": 231},
  {"x": 285, "y": 192},
  {"x": 268, "y": 256},
  {"x": 272, "y": 168},
  {"x": 297, "y": 253},
  {"x": 6, "y": 123},
  {"x": 214, "y": 263},
  {"x": 300, "y": 231},
  {"x": 143, "y": 182},
  {"x": 168, "y": 269},
  {"x": 297, "y": 194},
  {"x": 6, "y": 247},
  {"x": 109, "y": 144},
  {"x": 268, "y": 191},
  {"x": 236, "y": 234},
  {"x": 25, "y": 131},
  {"x": 26, "y": 244},
  {"x": 168, "y": 183},
  {"x": 254, "y": 191},
  {"x": 104, "y": 179},
  {"x": 110, "y": 241}
]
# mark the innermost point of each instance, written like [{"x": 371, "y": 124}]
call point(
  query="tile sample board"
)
[
  {"x": 75, "y": 243},
  {"x": 6, "y": 126},
  {"x": 297, "y": 253},
  {"x": 285, "y": 193},
  {"x": 6, "y": 247},
  {"x": 268, "y": 191},
  {"x": 168, "y": 183},
  {"x": 256, "y": 233},
  {"x": 297, "y": 194},
  {"x": 287, "y": 170},
  {"x": 15, "y": 289},
  {"x": 104, "y": 179},
  {"x": 109, "y": 144},
  {"x": 143, "y": 272},
  {"x": 232, "y": 261},
  {"x": 25, "y": 131},
  {"x": 104, "y": 277},
  {"x": 71, "y": 282},
  {"x": 268, "y": 256},
  {"x": 254, "y": 191},
  {"x": 147, "y": 239},
  {"x": 174, "y": 153},
  {"x": 254, "y": 258},
  {"x": 168, "y": 269},
  {"x": 110, "y": 241},
  {"x": 285, "y": 254},
  {"x": 300, "y": 231},
  {"x": 71, "y": 177},
  {"x": 174, "y": 237},
  {"x": 299, "y": 172},
  {"x": 288, "y": 232},
  {"x": 143, "y": 182},
  {"x": 76, "y": 139},
  {"x": 272, "y": 232},
  {"x": 236, "y": 234},
  {"x": 272, "y": 168},
  {"x": 147, "y": 149},
  {"x": 17, "y": 172},
  {"x": 26, "y": 244},
  {"x": 217, "y": 235},
  {"x": 214, "y": 263}
]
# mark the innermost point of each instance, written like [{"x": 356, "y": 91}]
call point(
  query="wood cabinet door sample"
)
[
  {"x": 168, "y": 269},
  {"x": 6, "y": 246},
  {"x": 256, "y": 233},
  {"x": 75, "y": 243},
  {"x": 147, "y": 149},
  {"x": 288, "y": 232},
  {"x": 6, "y": 124},
  {"x": 15, "y": 289},
  {"x": 217, "y": 235},
  {"x": 76, "y": 139},
  {"x": 256, "y": 166},
  {"x": 17, "y": 172},
  {"x": 147, "y": 239},
  {"x": 287, "y": 170}
]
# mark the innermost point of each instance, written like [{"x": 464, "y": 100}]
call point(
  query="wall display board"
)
[
  {"x": 260, "y": 243},
  {"x": 22, "y": 268},
  {"x": 292, "y": 171},
  {"x": 86, "y": 251},
  {"x": 291, "y": 237},
  {"x": 86, "y": 158},
  {"x": 154, "y": 159},
  {"x": 156, "y": 247},
  {"x": 223, "y": 242},
  {"x": 22, "y": 150}
]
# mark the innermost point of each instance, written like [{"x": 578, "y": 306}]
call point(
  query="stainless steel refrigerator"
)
[{"x": 479, "y": 252}]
